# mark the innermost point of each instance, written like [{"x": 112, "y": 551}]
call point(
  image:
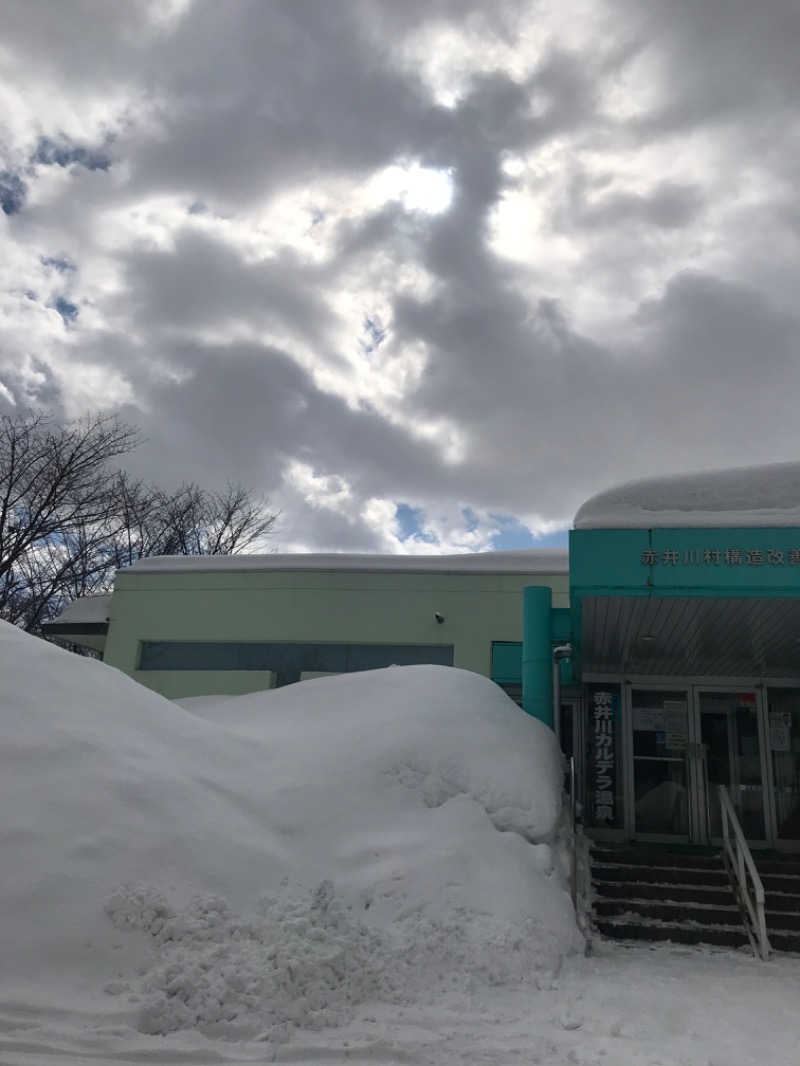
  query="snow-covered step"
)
[
  {"x": 782, "y": 901},
  {"x": 652, "y": 855},
  {"x": 783, "y": 939},
  {"x": 780, "y": 875},
  {"x": 650, "y": 894},
  {"x": 787, "y": 921},
  {"x": 660, "y": 910},
  {"x": 782, "y": 884},
  {"x": 661, "y": 875},
  {"x": 689, "y": 933},
  {"x": 666, "y": 893},
  {"x": 646, "y": 893}
]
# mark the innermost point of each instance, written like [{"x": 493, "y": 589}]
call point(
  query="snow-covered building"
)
[
  {"x": 675, "y": 619},
  {"x": 685, "y": 607},
  {"x": 191, "y": 626}
]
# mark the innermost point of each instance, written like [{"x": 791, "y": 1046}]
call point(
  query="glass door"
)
[
  {"x": 784, "y": 745},
  {"x": 729, "y": 753},
  {"x": 571, "y": 741},
  {"x": 662, "y": 777}
]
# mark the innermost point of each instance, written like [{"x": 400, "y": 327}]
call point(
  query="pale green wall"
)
[{"x": 339, "y": 606}]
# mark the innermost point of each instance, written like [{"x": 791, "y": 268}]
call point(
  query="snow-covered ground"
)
[
  {"x": 623, "y": 1007},
  {"x": 365, "y": 868}
]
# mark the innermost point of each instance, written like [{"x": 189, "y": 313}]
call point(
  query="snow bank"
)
[
  {"x": 267, "y": 862},
  {"x": 748, "y": 496}
]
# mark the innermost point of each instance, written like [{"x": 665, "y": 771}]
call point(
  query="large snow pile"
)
[
  {"x": 747, "y": 496},
  {"x": 253, "y": 864}
]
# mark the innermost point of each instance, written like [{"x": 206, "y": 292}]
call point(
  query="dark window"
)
[
  {"x": 179, "y": 655},
  {"x": 506, "y": 663},
  {"x": 376, "y": 656},
  {"x": 292, "y": 658},
  {"x": 288, "y": 660}
]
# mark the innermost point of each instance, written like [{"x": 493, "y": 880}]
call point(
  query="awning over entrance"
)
[
  {"x": 688, "y": 602},
  {"x": 716, "y": 636},
  {"x": 685, "y": 601}
]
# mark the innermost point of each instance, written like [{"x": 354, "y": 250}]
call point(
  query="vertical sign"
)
[{"x": 604, "y": 705}]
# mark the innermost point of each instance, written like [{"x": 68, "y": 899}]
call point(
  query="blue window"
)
[
  {"x": 288, "y": 660},
  {"x": 506, "y": 663}
]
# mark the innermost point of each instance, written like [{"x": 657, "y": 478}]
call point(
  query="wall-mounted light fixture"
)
[{"x": 438, "y": 616}]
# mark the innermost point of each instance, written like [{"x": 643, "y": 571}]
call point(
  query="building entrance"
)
[{"x": 685, "y": 741}]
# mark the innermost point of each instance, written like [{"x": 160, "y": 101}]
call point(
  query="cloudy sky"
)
[{"x": 427, "y": 272}]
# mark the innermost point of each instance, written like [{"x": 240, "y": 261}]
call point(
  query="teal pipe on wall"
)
[{"x": 537, "y": 663}]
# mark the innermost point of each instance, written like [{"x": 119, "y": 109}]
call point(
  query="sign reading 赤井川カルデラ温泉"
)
[{"x": 604, "y": 718}]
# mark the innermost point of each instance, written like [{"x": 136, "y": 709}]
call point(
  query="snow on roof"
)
[
  {"x": 95, "y": 608},
  {"x": 746, "y": 496},
  {"x": 530, "y": 561}
]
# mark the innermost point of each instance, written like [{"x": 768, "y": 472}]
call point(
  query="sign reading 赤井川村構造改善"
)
[{"x": 722, "y": 561}]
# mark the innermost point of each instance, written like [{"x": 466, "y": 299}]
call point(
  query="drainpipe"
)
[{"x": 563, "y": 651}]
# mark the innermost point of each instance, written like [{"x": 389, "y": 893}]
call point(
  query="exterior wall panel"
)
[{"x": 392, "y": 607}]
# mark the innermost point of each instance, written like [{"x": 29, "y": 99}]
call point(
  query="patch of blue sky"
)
[
  {"x": 63, "y": 153},
  {"x": 471, "y": 520},
  {"x": 58, "y": 262},
  {"x": 513, "y": 535},
  {"x": 13, "y": 191},
  {"x": 67, "y": 310},
  {"x": 374, "y": 337},
  {"x": 410, "y": 520}
]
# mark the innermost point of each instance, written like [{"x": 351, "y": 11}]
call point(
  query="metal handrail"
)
[
  {"x": 741, "y": 863},
  {"x": 579, "y": 859},
  {"x": 573, "y": 821}
]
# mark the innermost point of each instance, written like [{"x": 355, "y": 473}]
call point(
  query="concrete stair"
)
[
  {"x": 644, "y": 893},
  {"x": 780, "y": 875},
  {"x": 685, "y": 896}
]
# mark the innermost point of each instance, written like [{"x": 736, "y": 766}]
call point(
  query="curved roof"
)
[
  {"x": 746, "y": 496},
  {"x": 88, "y": 609}
]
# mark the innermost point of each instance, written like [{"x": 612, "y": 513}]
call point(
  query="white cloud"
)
[
  {"x": 417, "y": 188},
  {"x": 477, "y": 260}
]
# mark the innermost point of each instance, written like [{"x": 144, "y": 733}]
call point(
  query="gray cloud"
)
[
  {"x": 670, "y": 205},
  {"x": 209, "y": 249},
  {"x": 723, "y": 60},
  {"x": 201, "y": 282}
]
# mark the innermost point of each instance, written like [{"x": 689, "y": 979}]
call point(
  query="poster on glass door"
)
[
  {"x": 676, "y": 724},
  {"x": 669, "y": 722}
]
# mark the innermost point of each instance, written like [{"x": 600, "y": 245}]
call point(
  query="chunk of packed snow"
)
[
  {"x": 746, "y": 496},
  {"x": 267, "y": 862}
]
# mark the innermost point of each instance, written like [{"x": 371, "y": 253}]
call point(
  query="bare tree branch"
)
[{"x": 69, "y": 519}]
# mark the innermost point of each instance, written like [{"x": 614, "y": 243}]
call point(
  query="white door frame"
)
[
  {"x": 702, "y": 830},
  {"x": 696, "y": 779}
]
